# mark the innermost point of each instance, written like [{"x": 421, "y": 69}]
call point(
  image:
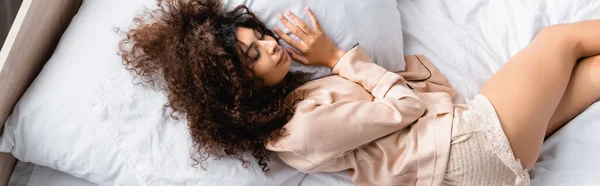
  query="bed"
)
[{"x": 467, "y": 40}]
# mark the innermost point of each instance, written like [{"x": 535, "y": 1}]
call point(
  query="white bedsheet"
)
[{"x": 470, "y": 40}]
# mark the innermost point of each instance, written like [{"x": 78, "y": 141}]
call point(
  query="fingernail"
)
[
  {"x": 280, "y": 16},
  {"x": 306, "y": 8},
  {"x": 288, "y": 12}
]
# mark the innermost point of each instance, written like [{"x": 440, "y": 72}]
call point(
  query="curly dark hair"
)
[{"x": 191, "y": 46}]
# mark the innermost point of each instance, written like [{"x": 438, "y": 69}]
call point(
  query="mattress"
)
[{"x": 469, "y": 41}]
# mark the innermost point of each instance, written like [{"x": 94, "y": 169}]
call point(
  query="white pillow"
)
[
  {"x": 376, "y": 25},
  {"x": 84, "y": 116},
  {"x": 52, "y": 125}
]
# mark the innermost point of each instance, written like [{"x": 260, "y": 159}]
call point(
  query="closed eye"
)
[
  {"x": 252, "y": 52},
  {"x": 257, "y": 54}
]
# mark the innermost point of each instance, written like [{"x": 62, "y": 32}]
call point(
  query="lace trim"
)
[{"x": 498, "y": 141}]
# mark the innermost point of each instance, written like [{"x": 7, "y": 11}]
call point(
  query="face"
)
[{"x": 269, "y": 61}]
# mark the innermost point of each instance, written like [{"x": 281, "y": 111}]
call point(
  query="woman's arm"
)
[
  {"x": 317, "y": 49},
  {"x": 323, "y": 132},
  {"x": 356, "y": 66}
]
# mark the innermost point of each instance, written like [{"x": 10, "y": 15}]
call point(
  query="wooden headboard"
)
[{"x": 30, "y": 43}]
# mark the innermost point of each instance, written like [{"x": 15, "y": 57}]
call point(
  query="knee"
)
[{"x": 561, "y": 36}]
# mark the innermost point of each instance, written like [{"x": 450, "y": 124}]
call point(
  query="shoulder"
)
[{"x": 331, "y": 87}]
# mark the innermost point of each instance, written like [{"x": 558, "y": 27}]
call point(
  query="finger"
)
[
  {"x": 297, "y": 57},
  {"x": 313, "y": 18},
  {"x": 292, "y": 42},
  {"x": 307, "y": 30},
  {"x": 292, "y": 27}
]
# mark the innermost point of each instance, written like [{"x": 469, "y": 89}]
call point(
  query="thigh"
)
[
  {"x": 527, "y": 90},
  {"x": 583, "y": 90}
]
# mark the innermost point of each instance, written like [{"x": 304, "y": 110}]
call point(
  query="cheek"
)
[
  {"x": 258, "y": 69},
  {"x": 270, "y": 74},
  {"x": 262, "y": 69}
]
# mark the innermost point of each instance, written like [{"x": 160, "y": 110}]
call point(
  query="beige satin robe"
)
[{"x": 367, "y": 120}]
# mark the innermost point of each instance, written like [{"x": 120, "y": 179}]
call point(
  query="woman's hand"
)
[{"x": 314, "y": 46}]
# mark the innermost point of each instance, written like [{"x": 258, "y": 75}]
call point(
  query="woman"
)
[{"x": 227, "y": 73}]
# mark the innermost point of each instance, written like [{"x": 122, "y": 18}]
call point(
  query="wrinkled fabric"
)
[
  {"x": 367, "y": 120},
  {"x": 480, "y": 153}
]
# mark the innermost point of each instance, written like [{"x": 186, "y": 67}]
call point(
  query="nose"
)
[{"x": 270, "y": 46}]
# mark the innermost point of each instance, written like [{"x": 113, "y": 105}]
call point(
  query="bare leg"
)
[
  {"x": 527, "y": 91},
  {"x": 582, "y": 91}
]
